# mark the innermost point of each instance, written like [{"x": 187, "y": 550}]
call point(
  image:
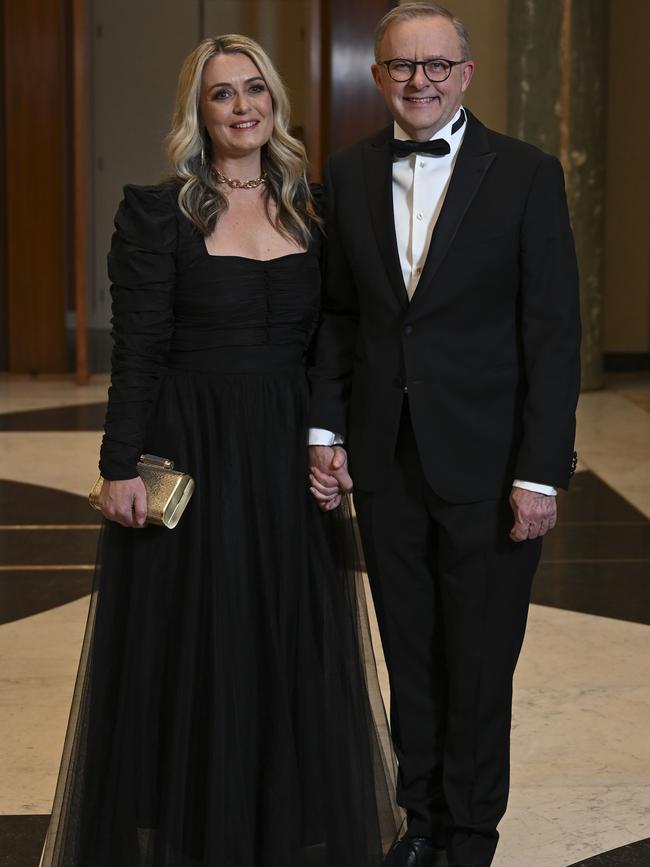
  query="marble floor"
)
[{"x": 580, "y": 751}]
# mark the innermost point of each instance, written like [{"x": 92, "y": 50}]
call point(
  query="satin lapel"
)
[
  {"x": 378, "y": 169},
  {"x": 474, "y": 159}
]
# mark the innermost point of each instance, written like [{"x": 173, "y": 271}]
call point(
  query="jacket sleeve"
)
[
  {"x": 550, "y": 329},
  {"x": 142, "y": 270},
  {"x": 333, "y": 359}
]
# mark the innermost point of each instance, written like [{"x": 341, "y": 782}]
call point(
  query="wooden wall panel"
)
[
  {"x": 35, "y": 41},
  {"x": 626, "y": 296},
  {"x": 3, "y": 214},
  {"x": 352, "y": 106},
  {"x": 314, "y": 77},
  {"x": 79, "y": 173}
]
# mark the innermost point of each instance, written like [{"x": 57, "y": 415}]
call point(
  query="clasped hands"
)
[
  {"x": 534, "y": 514},
  {"x": 328, "y": 475}
]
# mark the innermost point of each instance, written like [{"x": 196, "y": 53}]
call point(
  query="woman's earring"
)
[{"x": 202, "y": 153}]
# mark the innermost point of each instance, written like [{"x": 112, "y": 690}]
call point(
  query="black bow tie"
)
[{"x": 436, "y": 148}]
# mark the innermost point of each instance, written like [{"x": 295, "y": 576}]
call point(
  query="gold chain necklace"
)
[{"x": 236, "y": 184}]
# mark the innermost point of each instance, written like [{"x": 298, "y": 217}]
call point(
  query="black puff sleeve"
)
[{"x": 142, "y": 270}]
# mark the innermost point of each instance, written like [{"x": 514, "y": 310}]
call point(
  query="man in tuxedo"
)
[{"x": 447, "y": 362}]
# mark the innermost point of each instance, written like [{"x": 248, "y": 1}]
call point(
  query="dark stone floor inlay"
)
[
  {"x": 619, "y": 590},
  {"x": 21, "y": 840},
  {"x": 48, "y": 547},
  {"x": 48, "y": 543},
  {"x": 633, "y": 855},
  {"x": 85, "y": 416},
  {"x": 590, "y": 500},
  {"x": 598, "y": 542},
  {"x": 597, "y": 559},
  {"x": 21, "y": 503},
  {"x": 23, "y": 594}
]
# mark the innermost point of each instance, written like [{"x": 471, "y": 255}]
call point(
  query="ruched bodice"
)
[
  {"x": 233, "y": 301},
  {"x": 175, "y": 306}
]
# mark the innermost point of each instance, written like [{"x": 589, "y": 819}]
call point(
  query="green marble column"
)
[{"x": 556, "y": 100}]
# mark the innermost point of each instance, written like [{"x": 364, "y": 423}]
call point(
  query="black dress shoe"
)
[{"x": 415, "y": 852}]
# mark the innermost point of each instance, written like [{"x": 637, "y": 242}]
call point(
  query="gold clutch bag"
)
[{"x": 168, "y": 490}]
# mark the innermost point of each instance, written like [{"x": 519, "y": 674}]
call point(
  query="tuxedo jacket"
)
[{"x": 488, "y": 347}]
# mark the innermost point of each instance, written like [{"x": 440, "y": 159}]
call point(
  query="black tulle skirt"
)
[{"x": 227, "y": 712}]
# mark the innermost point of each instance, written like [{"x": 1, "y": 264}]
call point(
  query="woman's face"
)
[{"x": 236, "y": 106}]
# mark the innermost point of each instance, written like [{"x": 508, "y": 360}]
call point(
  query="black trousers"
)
[{"x": 451, "y": 591}]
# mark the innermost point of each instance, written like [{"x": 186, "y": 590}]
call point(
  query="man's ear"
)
[
  {"x": 376, "y": 74},
  {"x": 468, "y": 72}
]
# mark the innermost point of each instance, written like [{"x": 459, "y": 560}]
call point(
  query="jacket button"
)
[{"x": 408, "y": 329}]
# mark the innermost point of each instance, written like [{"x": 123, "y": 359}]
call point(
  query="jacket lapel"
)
[
  {"x": 474, "y": 159},
  {"x": 378, "y": 169}
]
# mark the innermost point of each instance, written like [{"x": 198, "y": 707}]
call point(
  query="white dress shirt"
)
[{"x": 420, "y": 185}]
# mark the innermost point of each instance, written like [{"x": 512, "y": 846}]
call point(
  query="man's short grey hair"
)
[{"x": 408, "y": 11}]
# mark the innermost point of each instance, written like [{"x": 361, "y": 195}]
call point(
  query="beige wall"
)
[
  {"x": 280, "y": 26},
  {"x": 136, "y": 52},
  {"x": 626, "y": 326},
  {"x": 487, "y": 23}
]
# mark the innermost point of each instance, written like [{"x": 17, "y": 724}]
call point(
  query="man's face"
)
[{"x": 422, "y": 107}]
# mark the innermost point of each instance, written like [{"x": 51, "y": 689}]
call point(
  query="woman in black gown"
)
[{"x": 222, "y": 714}]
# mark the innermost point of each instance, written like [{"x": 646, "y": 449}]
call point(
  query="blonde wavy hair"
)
[{"x": 283, "y": 157}]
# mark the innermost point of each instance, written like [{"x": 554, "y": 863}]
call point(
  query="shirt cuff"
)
[
  {"x": 318, "y": 436},
  {"x": 549, "y": 490}
]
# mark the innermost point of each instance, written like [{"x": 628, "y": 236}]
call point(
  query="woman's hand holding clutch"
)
[{"x": 124, "y": 501}]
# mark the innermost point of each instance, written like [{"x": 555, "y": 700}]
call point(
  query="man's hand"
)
[
  {"x": 535, "y": 514},
  {"x": 329, "y": 475},
  {"x": 124, "y": 501}
]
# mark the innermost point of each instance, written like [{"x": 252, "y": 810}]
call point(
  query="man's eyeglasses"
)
[{"x": 435, "y": 70}]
